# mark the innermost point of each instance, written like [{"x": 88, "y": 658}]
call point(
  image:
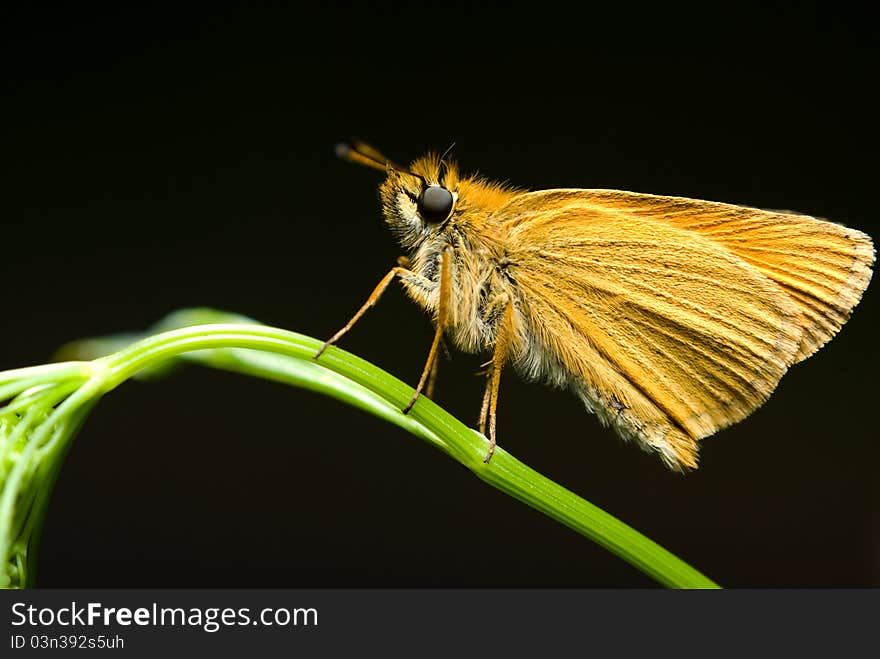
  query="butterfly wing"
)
[
  {"x": 673, "y": 318},
  {"x": 823, "y": 266}
]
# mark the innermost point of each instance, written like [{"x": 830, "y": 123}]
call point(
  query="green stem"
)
[
  {"x": 48, "y": 404},
  {"x": 33, "y": 531},
  {"x": 426, "y": 420}
]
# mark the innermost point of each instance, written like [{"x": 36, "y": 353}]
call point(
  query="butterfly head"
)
[{"x": 417, "y": 201}]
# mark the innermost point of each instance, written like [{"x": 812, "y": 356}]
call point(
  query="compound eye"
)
[{"x": 435, "y": 203}]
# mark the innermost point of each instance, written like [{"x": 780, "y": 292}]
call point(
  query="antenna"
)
[{"x": 362, "y": 153}]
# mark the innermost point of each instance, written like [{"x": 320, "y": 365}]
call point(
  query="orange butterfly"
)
[{"x": 670, "y": 318}]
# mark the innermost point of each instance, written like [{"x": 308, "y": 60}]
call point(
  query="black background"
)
[{"x": 154, "y": 160}]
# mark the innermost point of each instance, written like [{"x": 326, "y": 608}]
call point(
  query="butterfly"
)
[{"x": 670, "y": 318}]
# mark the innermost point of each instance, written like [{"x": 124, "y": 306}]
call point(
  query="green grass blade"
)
[
  {"x": 287, "y": 357},
  {"x": 42, "y": 408}
]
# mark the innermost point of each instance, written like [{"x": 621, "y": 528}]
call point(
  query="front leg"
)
[
  {"x": 399, "y": 271},
  {"x": 443, "y": 300}
]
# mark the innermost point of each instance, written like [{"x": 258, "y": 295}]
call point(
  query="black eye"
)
[{"x": 435, "y": 203}]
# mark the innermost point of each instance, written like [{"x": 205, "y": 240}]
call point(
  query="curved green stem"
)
[
  {"x": 465, "y": 445},
  {"x": 288, "y": 357}
]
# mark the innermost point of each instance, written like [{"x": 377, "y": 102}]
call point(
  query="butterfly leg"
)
[
  {"x": 484, "y": 408},
  {"x": 489, "y": 408},
  {"x": 398, "y": 271},
  {"x": 432, "y": 380},
  {"x": 444, "y": 295}
]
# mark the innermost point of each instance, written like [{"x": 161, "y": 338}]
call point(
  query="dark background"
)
[{"x": 157, "y": 160}]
